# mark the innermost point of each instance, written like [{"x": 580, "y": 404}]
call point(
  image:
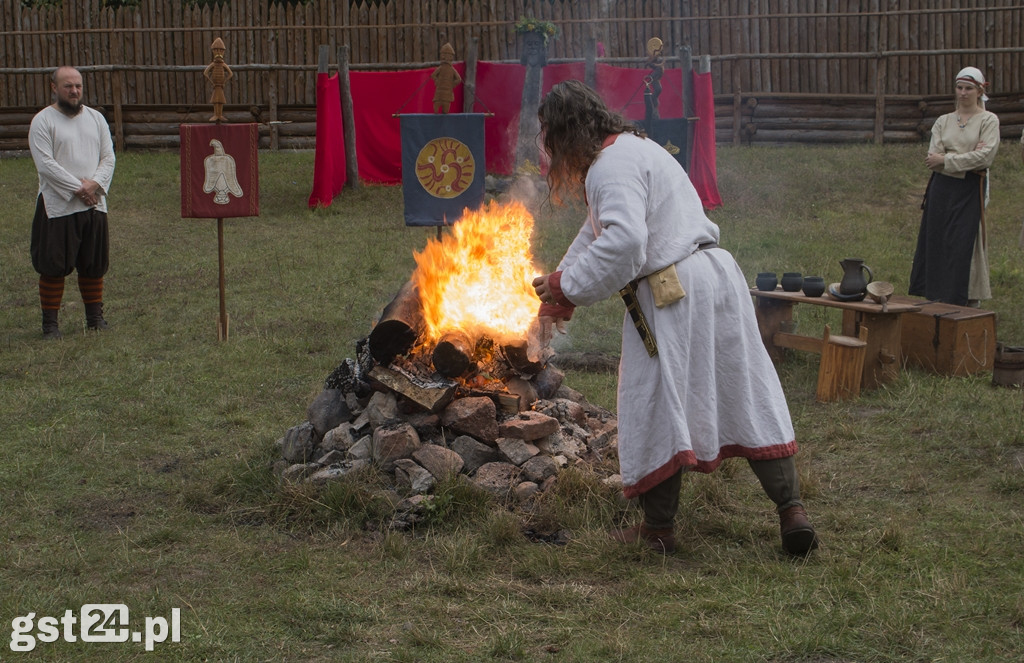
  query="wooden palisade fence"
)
[{"x": 783, "y": 70}]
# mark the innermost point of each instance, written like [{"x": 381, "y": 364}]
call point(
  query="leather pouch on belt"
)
[{"x": 665, "y": 286}]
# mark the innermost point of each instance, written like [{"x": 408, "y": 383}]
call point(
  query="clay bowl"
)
[
  {"x": 814, "y": 286},
  {"x": 792, "y": 281}
]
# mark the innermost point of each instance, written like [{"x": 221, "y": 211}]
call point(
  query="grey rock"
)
[
  {"x": 411, "y": 475},
  {"x": 332, "y": 457},
  {"x": 327, "y": 474},
  {"x": 515, "y": 450},
  {"x": 339, "y": 438},
  {"x": 297, "y": 444},
  {"x": 539, "y": 468},
  {"x": 327, "y": 411},
  {"x": 526, "y": 490},
  {"x": 382, "y": 408},
  {"x": 529, "y": 426},
  {"x": 441, "y": 462},
  {"x": 299, "y": 471},
  {"x": 473, "y": 452},
  {"x": 560, "y": 444},
  {"x": 361, "y": 450},
  {"x": 393, "y": 441},
  {"x": 475, "y": 415},
  {"x": 497, "y": 478}
]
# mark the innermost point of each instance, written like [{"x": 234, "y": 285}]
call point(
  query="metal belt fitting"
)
[{"x": 628, "y": 294}]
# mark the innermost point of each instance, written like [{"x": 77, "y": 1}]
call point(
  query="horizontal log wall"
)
[
  {"x": 861, "y": 53},
  {"x": 764, "y": 118}
]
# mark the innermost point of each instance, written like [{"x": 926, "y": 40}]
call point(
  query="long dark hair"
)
[{"x": 575, "y": 122}]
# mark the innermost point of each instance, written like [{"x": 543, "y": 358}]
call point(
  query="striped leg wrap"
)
[
  {"x": 91, "y": 289},
  {"x": 51, "y": 292}
]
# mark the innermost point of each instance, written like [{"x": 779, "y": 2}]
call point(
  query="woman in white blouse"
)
[{"x": 951, "y": 261}]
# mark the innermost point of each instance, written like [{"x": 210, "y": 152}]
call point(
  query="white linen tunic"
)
[
  {"x": 711, "y": 392},
  {"x": 67, "y": 150},
  {"x": 971, "y": 147}
]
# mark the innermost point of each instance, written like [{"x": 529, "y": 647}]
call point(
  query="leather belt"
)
[{"x": 628, "y": 294}]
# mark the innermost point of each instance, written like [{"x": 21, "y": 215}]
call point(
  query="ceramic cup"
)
[
  {"x": 814, "y": 286},
  {"x": 766, "y": 281},
  {"x": 792, "y": 281}
]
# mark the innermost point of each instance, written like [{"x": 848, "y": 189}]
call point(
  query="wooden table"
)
[{"x": 884, "y": 355}]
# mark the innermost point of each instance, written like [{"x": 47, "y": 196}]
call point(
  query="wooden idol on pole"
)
[{"x": 219, "y": 169}]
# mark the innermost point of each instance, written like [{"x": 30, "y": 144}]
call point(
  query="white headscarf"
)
[{"x": 973, "y": 76}]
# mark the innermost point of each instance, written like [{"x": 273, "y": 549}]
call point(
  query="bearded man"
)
[{"x": 74, "y": 158}]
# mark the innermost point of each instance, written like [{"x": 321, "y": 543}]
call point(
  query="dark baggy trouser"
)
[{"x": 78, "y": 241}]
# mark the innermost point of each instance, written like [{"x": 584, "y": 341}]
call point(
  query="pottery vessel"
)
[
  {"x": 766, "y": 281},
  {"x": 814, "y": 286},
  {"x": 792, "y": 281},
  {"x": 854, "y": 280}
]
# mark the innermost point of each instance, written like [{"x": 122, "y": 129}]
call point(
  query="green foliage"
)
[{"x": 546, "y": 29}]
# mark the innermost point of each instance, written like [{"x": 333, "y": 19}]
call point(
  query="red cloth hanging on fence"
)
[
  {"x": 622, "y": 89},
  {"x": 377, "y": 97},
  {"x": 329, "y": 163},
  {"x": 703, "y": 172}
]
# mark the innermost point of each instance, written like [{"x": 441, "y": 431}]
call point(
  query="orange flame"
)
[{"x": 477, "y": 278}]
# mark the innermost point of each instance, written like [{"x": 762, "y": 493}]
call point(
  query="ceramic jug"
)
[{"x": 854, "y": 280}]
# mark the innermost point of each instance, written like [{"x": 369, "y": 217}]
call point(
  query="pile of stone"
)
[{"x": 514, "y": 456}]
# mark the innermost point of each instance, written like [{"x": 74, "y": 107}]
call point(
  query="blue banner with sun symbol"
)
[{"x": 443, "y": 166}]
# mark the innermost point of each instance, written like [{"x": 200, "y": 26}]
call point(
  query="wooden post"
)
[
  {"x": 222, "y": 322},
  {"x": 469, "y": 84},
  {"x": 348, "y": 120},
  {"x": 689, "y": 106},
  {"x": 115, "y": 87},
  {"x": 880, "y": 37},
  {"x": 272, "y": 78},
  {"x": 590, "y": 65}
]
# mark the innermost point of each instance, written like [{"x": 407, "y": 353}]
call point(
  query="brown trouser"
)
[{"x": 778, "y": 479}]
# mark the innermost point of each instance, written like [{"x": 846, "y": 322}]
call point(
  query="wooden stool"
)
[{"x": 841, "y": 367}]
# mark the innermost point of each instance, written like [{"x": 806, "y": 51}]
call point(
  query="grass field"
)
[{"x": 135, "y": 462}]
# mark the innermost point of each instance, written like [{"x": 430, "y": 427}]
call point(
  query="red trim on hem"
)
[{"x": 688, "y": 460}]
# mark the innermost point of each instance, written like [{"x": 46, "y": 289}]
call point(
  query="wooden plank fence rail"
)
[{"x": 874, "y": 56}]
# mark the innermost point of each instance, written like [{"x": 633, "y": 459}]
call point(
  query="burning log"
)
[
  {"x": 453, "y": 354},
  {"x": 399, "y": 327},
  {"x": 519, "y": 360}
]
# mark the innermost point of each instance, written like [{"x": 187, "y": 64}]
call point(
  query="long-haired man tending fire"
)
[{"x": 696, "y": 385}]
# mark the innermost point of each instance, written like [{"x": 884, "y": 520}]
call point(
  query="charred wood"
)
[
  {"x": 431, "y": 399},
  {"x": 453, "y": 355},
  {"x": 399, "y": 327},
  {"x": 517, "y": 358}
]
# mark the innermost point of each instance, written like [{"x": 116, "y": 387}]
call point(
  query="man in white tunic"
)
[
  {"x": 696, "y": 385},
  {"x": 74, "y": 157}
]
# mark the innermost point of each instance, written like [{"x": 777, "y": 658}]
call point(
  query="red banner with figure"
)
[{"x": 219, "y": 170}]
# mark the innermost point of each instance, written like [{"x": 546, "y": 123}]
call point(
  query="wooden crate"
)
[{"x": 948, "y": 339}]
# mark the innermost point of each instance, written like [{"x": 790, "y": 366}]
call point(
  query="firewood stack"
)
[{"x": 473, "y": 409}]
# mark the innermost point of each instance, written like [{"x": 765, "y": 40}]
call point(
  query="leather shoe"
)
[
  {"x": 659, "y": 540},
  {"x": 798, "y": 537}
]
